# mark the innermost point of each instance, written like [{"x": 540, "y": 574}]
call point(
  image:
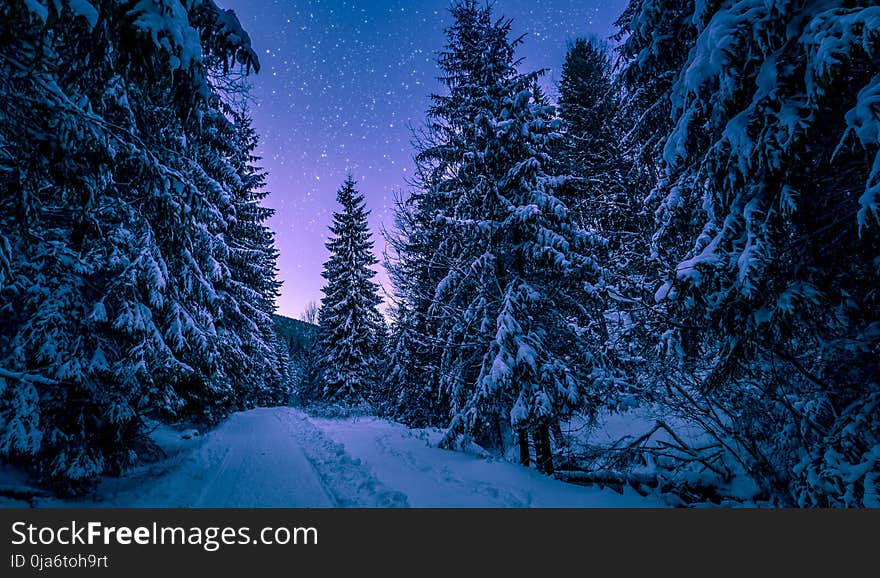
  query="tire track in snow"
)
[
  {"x": 347, "y": 479},
  {"x": 267, "y": 457}
]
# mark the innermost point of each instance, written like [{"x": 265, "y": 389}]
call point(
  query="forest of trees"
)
[
  {"x": 694, "y": 228},
  {"x": 691, "y": 229},
  {"x": 137, "y": 274}
]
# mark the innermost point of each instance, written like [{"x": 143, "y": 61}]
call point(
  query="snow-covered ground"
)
[
  {"x": 410, "y": 462},
  {"x": 280, "y": 457}
]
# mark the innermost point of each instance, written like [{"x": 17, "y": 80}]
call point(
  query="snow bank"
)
[{"x": 410, "y": 462}]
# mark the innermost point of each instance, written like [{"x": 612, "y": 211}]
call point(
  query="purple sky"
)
[{"x": 341, "y": 83}]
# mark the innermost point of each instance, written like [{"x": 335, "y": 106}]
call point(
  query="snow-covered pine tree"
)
[
  {"x": 647, "y": 78},
  {"x": 609, "y": 200},
  {"x": 253, "y": 275},
  {"x": 407, "y": 395},
  {"x": 381, "y": 344},
  {"x": 412, "y": 372},
  {"x": 767, "y": 221},
  {"x": 513, "y": 304},
  {"x": 590, "y": 109},
  {"x": 396, "y": 378},
  {"x": 588, "y": 105},
  {"x": 113, "y": 216},
  {"x": 190, "y": 206},
  {"x": 349, "y": 316}
]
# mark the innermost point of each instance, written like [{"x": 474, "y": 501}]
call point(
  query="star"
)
[{"x": 342, "y": 84}]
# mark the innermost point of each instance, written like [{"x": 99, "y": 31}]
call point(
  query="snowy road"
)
[
  {"x": 259, "y": 446},
  {"x": 279, "y": 457},
  {"x": 259, "y": 458}
]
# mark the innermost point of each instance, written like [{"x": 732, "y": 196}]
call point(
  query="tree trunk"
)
[
  {"x": 539, "y": 461},
  {"x": 499, "y": 433},
  {"x": 542, "y": 449},
  {"x": 524, "y": 457}
]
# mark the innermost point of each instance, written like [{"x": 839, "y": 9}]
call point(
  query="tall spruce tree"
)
[
  {"x": 349, "y": 318},
  {"x": 608, "y": 201},
  {"x": 254, "y": 284},
  {"x": 407, "y": 385},
  {"x": 588, "y": 105},
  {"x": 413, "y": 372},
  {"x": 515, "y": 279}
]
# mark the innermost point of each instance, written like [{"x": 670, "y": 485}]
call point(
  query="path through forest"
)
[{"x": 280, "y": 457}]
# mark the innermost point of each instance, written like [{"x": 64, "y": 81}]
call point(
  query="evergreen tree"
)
[
  {"x": 587, "y": 104},
  {"x": 349, "y": 319},
  {"x": 253, "y": 275},
  {"x": 656, "y": 38},
  {"x": 406, "y": 391},
  {"x": 511, "y": 310},
  {"x": 413, "y": 374},
  {"x": 608, "y": 203},
  {"x": 592, "y": 124}
]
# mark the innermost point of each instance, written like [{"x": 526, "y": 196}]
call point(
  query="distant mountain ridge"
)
[{"x": 298, "y": 335}]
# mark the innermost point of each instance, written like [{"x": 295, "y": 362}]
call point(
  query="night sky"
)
[{"x": 342, "y": 82}]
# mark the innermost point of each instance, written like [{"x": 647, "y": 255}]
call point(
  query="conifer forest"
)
[{"x": 654, "y": 270}]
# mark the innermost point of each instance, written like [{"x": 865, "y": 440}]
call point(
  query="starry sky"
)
[{"x": 342, "y": 84}]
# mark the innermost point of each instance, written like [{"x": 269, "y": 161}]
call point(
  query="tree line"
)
[
  {"x": 692, "y": 228},
  {"x": 137, "y": 273}
]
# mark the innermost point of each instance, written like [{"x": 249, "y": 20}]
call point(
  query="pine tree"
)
[
  {"x": 413, "y": 375},
  {"x": 587, "y": 104},
  {"x": 655, "y": 40},
  {"x": 406, "y": 392},
  {"x": 349, "y": 319},
  {"x": 512, "y": 315},
  {"x": 610, "y": 204},
  {"x": 253, "y": 275}
]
